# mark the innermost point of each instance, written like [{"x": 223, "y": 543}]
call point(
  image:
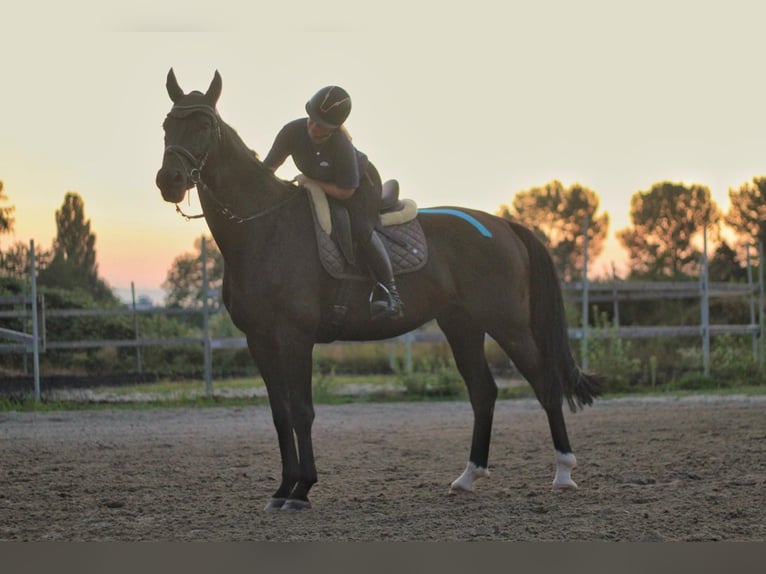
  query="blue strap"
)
[{"x": 462, "y": 215}]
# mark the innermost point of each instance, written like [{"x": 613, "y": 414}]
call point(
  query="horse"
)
[{"x": 484, "y": 275}]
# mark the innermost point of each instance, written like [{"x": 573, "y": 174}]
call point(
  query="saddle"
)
[{"x": 398, "y": 227}]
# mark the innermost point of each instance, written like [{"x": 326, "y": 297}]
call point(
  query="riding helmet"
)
[{"x": 329, "y": 107}]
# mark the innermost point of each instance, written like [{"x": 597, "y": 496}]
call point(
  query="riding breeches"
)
[{"x": 364, "y": 205}]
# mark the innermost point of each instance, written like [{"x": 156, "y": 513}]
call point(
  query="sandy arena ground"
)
[{"x": 649, "y": 470}]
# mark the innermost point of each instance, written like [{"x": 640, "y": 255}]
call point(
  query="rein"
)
[
  {"x": 188, "y": 217},
  {"x": 228, "y": 213},
  {"x": 195, "y": 173}
]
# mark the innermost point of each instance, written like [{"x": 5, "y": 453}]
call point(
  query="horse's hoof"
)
[
  {"x": 564, "y": 486},
  {"x": 295, "y": 504},
  {"x": 275, "y": 504},
  {"x": 459, "y": 490},
  {"x": 465, "y": 481},
  {"x": 565, "y": 463}
]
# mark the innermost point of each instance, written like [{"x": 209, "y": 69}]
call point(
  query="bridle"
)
[
  {"x": 194, "y": 166},
  {"x": 194, "y": 174},
  {"x": 191, "y": 163}
]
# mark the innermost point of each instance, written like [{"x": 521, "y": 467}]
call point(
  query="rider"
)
[{"x": 322, "y": 150}]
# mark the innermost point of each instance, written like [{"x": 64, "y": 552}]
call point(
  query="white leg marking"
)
[
  {"x": 564, "y": 465},
  {"x": 465, "y": 481}
]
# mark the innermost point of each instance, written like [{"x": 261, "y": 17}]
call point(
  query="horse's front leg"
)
[{"x": 286, "y": 367}]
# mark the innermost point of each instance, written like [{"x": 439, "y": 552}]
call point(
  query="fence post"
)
[
  {"x": 585, "y": 318},
  {"x": 705, "y": 307},
  {"x": 408, "y": 338},
  {"x": 393, "y": 364},
  {"x": 139, "y": 364},
  {"x": 751, "y": 297},
  {"x": 35, "y": 325},
  {"x": 760, "y": 305},
  {"x": 616, "y": 306},
  {"x": 208, "y": 359}
]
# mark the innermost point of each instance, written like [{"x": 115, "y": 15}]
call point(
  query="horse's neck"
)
[
  {"x": 241, "y": 188},
  {"x": 240, "y": 181}
]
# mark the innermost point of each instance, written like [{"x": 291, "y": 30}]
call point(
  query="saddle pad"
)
[
  {"x": 406, "y": 244},
  {"x": 320, "y": 206},
  {"x": 318, "y": 199}
]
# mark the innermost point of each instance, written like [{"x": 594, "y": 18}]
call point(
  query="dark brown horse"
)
[{"x": 484, "y": 275}]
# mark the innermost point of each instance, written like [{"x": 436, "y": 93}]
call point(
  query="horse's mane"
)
[
  {"x": 238, "y": 144},
  {"x": 243, "y": 153}
]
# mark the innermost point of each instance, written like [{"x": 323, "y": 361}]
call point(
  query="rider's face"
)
[{"x": 318, "y": 133}]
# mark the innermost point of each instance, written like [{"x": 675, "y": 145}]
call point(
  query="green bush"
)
[
  {"x": 694, "y": 382},
  {"x": 613, "y": 358},
  {"x": 732, "y": 357},
  {"x": 433, "y": 377},
  {"x": 359, "y": 359}
]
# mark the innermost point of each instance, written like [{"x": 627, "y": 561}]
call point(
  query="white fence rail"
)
[
  {"x": 31, "y": 342},
  {"x": 584, "y": 292}
]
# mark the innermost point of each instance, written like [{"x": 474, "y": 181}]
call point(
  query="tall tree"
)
[
  {"x": 747, "y": 212},
  {"x": 557, "y": 214},
  {"x": 73, "y": 264},
  {"x": 6, "y": 213},
  {"x": 75, "y": 243},
  {"x": 666, "y": 219},
  {"x": 14, "y": 261},
  {"x": 184, "y": 280}
]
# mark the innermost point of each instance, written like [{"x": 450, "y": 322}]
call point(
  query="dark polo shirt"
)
[{"x": 335, "y": 160}]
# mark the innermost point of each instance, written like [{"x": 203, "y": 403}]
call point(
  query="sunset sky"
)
[{"x": 463, "y": 105}]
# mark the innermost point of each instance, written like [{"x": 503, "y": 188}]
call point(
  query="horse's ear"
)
[
  {"x": 214, "y": 91},
  {"x": 174, "y": 90}
]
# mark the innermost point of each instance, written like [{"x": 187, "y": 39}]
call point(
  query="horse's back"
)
[{"x": 474, "y": 240}]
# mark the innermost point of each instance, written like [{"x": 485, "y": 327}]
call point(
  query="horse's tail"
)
[{"x": 549, "y": 329}]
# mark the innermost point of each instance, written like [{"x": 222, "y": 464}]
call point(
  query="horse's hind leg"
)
[
  {"x": 522, "y": 350},
  {"x": 467, "y": 344}
]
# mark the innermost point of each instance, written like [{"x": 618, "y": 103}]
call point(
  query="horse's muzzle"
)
[{"x": 173, "y": 184}]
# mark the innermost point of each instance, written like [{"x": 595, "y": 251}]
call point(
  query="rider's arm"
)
[
  {"x": 328, "y": 187},
  {"x": 280, "y": 149},
  {"x": 334, "y": 191}
]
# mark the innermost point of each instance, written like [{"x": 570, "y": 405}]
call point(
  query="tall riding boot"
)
[{"x": 377, "y": 258}]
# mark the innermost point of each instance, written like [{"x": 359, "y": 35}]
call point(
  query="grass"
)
[
  {"x": 28, "y": 404},
  {"x": 328, "y": 389},
  {"x": 229, "y": 392},
  {"x": 662, "y": 392}
]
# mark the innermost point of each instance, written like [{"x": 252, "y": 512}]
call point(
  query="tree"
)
[
  {"x": 184, "y": 280},
  {"x": 666, "y": 219},
  {"x": 557, "y": 214},
  {"x": 73, "y": 264},
  {"x": 747, "y": 212},
  {"x": 725, "y": 266},
  {"x": 14, "y": 261},
  {"x": 6, "y": 213}
]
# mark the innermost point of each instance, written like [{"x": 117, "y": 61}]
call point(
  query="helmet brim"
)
[{"x": 316, "y": 118}]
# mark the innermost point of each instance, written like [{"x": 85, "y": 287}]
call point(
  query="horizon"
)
[
  {"x": 599, "y": 270},
  {"x": 467, "y": 112}
]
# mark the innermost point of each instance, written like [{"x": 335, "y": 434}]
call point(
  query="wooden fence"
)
[{"x": 584, "y": 292}]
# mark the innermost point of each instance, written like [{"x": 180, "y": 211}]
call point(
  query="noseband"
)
[{"x": 195, "y": 173}]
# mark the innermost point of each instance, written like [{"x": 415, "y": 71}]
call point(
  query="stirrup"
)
[{"x": 385, "y": 306}]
